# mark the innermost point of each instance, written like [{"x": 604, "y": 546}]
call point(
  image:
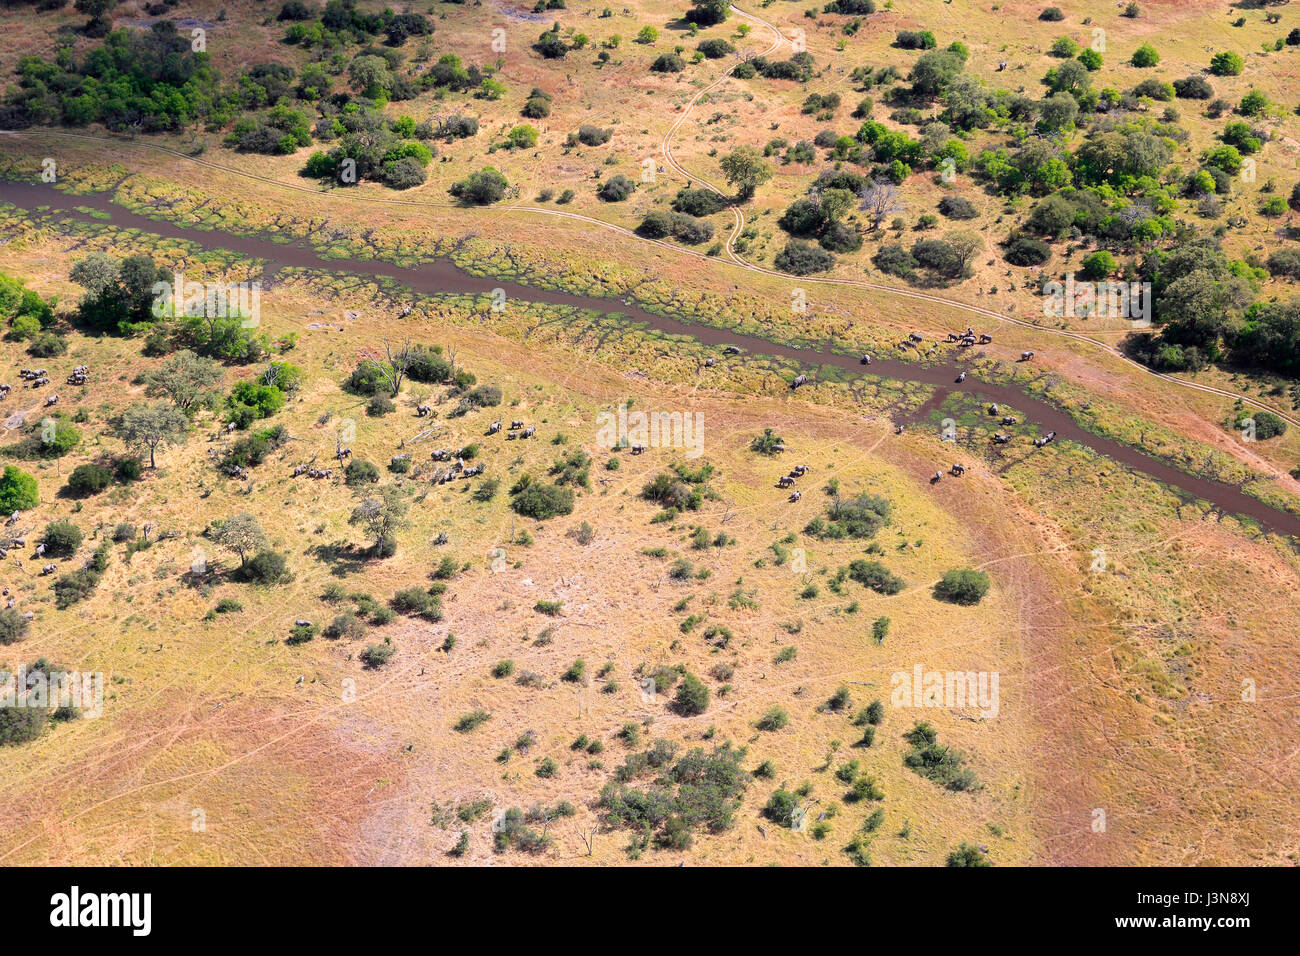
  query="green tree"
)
[
  {"x": 692, "y": 696},
  {"x": 241, "y": 534},
  {"x": 1227, "y": 64},
  {"x": 1145, "y": 56},
  {"x": 152, "y": 426},
  {"x": 967, "y": 855},
  {"x": 371, "y": 75},
  {"x": 746, "y": 169},
  {"x": 381, "y": 516},
  {"x": 963, "y": 586},
  {"x": 18, "y": 491},
  {"x": 185, "y": 378}
]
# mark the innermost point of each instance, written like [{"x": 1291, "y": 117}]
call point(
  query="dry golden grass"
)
[
  {"x": 1121, "y": 690},
  {"x": 209, "y": 715}
]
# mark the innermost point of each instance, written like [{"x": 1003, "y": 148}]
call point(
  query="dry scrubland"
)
[{"x": 1119, "y": 690}]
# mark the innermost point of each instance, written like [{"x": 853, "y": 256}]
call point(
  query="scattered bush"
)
[
  {"x": 89, "y": 479},
  {"x": 616, "y": 189},
  {"x": 962, "y": 586}
]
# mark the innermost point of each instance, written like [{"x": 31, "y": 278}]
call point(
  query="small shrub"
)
[{"x": 962, "y": 586}]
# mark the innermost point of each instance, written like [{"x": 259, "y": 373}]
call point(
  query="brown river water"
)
[{"x": 441, "y": 276}]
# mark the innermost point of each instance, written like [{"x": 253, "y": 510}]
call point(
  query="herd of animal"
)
[
  {"x": 965, "y": 339},
  {"x": 457, "y": 468}
]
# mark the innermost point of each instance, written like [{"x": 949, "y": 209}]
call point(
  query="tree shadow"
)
[{"x": 341, "y": 557}]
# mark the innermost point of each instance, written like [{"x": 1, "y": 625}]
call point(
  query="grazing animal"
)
[
  {"x": 422, "y": 410},
  {"x": 528, "y": 432},
  {"x": 1026, "y": 356},
  {"x": 799, "y": 380},
  {"x": 959, "y": 470},
  {"x": 710, "y": 362},
  {"x": 785, "y": 481},
  {"x": 938, "y": 477},
  {"x": 40, "y": 551},
  {"x": 637, "y": 449},
  {"x": 302, "y": 622},
  {"x": 800, "y": 470},
  {"x": 866, "y": 359},
  {"x": 13, "y": 519},
  {"x": 49, "y": 569},
  {"x": 915, "y": 337},
  {"x": 796, "y": 495},
  {"x": 440, "y": 455},
  {"x": 779, "y": 446},
  {"x": 1009, "y": 420},
  {"x": 732, "y": 350},
  {"x": 52, "y": 399},
  {"x": 1000, "y": 438},
  {"x": 299, "y": 470},
  {"x": 985, "y": 338},
  {"x": 511, "y": 436},
  {"x": 898, "y": 430},
  {"x": 494, "y": 428},
  {"x": 961, "y": 378},
  {"x": 516, "y": 424},
  {"x": 343, "y": 453},
  {"x": 993, "y": 409}
]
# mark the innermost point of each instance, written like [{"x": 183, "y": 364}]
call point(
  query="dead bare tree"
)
[
  {"x": 880, "y": 199},
  {"x": 393, "y": 372},
  {"x": 588, "y": 838}
]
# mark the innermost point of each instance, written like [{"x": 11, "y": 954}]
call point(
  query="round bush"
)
[
  {"x": 616, "y": 188},
  {"x": 360, "y": 472},
  {"x": 803, "y": 258},
  {"x": 1024, "y": 251},
  {"x": 962, "y": 586},
  {"x": 89, "y": 479},
  {"x": 668, "y": 63},
  {"x": 13, "y": 626},
  {"x": 957, "y": 207},
  {"x": 61, "y": 538}
]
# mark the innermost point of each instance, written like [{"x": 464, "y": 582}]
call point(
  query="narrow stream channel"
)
[{"x": 441, "y": 276}]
